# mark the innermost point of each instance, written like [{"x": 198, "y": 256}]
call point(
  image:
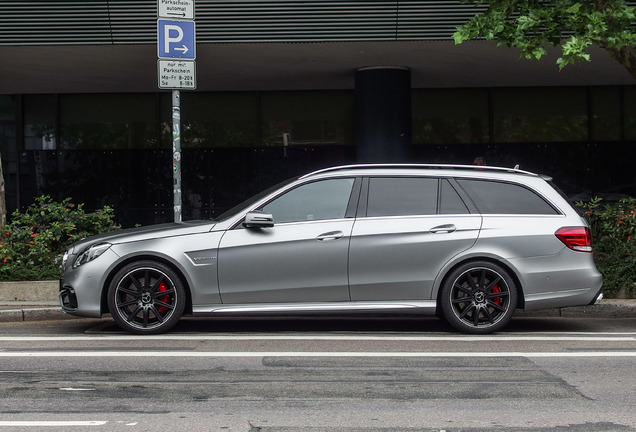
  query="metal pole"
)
[{"x": 176, "y": 153}]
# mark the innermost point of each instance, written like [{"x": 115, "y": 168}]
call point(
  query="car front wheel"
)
[
  {"x": 146, "y": 297},
  {"x": 478, "y": 297}
]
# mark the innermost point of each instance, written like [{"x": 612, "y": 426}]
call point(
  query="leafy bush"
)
[
  {"x": 32, "y": 244},
  {"x": 614, "y": 233}
]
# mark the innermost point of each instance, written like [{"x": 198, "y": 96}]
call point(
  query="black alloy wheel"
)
[
  {"x": 479, "y": 297},
  {"x": 146, "y": 297}
]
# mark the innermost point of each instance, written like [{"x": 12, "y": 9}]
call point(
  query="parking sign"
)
[{"x": 176, "y": 39}]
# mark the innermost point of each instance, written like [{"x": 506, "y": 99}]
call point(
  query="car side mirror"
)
[{"x": 258, "y": 219}]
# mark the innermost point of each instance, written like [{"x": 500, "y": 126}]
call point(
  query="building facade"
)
[{"x": 284, "y": 87}]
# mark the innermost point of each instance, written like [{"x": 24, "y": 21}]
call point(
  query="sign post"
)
[
  {"x": 176, "y": 153},
  {"x": 176, "y": 50}
]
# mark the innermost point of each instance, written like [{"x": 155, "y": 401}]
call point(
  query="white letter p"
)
[{"x": 168, "y": 40}]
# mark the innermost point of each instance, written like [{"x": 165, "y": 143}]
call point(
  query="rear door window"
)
[
  {"x": 493, "y": 197},
  {"x": 406, "y": 196},
  {"x": 402, "y": 196}
]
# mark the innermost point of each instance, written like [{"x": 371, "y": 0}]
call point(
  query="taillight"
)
[{"x": 576, "y": 238}]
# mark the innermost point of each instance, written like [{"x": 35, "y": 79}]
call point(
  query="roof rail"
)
[{"x": 428, "y": 166}]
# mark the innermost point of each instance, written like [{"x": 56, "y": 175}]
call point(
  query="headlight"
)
[
  {"x": 91, "y": 253},
  {"x": 64, "y": 259}
]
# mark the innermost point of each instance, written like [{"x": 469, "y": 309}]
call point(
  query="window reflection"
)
[
  {"x": 540, "y": 115},
  {"x": 630, "y": 113},
  {"x": 606, "y": 113},
  {"x": 309, "y": 118},
  {"x": 218, "y": 119},
  {"x": 450, "y": 116},
  {"x": 39, "y": 122},
  {"x": 114, "y": 121}
]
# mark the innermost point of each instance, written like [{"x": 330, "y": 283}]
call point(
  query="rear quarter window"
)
[
  {"x": 492, "y": 197},
  {"x": 450, "y": 202}
]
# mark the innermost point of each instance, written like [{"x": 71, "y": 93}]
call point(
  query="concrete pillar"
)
[{"x": 382, "y": 128}]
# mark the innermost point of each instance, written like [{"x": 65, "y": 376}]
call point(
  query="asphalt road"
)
[{"x": 371, "y": 374}]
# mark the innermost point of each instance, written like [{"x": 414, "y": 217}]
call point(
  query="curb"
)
[
  {"x": 33, "y": 314},
  {"x": 607, "y": 308},
  {"x": 616, "y": 309}
]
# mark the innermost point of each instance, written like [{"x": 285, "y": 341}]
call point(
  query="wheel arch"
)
[
  {"x": 513, "y": 274},
  {"x": 131, "y": 259}
]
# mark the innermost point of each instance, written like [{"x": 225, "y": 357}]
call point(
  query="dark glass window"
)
[
  {"x": 217, "y": 119},
  {"x": 450, "y": 116},
  {"x": 606, "y": 113},
  {"x": 326, "y": 199},
  {"x": 39, "y": 122},
  {"x": 109, "y": 121},
  {"x": 402, "y": 196},
  {"x": 505, "y": 198},
  {"x": 540, "y": 114},
  {"x": 629, "y": 115},
  {"x": 450, "y": 202},
  {"x": 8, "y": 150},
  {"x": 309, "y": 118}
]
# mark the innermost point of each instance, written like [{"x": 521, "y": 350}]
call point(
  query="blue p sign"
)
[{"x": 176, "y": 39}]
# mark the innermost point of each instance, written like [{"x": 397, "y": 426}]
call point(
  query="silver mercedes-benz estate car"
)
[{"x": 470, "y": 244}]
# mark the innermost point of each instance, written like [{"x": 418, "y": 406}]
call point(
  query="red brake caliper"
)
[
  {"x": 166, "y": 298},
  {"x": 496, "y": 300}
]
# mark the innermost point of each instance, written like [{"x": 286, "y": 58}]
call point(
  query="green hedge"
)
[
  {"x": 33, "y": 242},
  {"x": 614, "y": 235}
]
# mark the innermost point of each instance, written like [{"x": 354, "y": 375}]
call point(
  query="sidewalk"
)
[{"x": 14, "y": 311}]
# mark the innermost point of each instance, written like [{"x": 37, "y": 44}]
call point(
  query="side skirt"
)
[{"x": 426, "y": 307}]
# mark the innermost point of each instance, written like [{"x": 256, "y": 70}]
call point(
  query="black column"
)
[{"x": 383, "y": 114}]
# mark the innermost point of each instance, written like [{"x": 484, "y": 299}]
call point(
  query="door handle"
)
[
  {"x": 332, "y": 235},
  {"x": 443, "y": 229}
]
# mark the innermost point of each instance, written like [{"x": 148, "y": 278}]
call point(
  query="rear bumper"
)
[
  {"x": 563, "y": 280},
  {"x": 560, "y": 299},
  {"x": 597, "y": 300}
]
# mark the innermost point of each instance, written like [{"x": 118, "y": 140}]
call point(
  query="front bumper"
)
[
  {"x": 68, "y": 299},
  {"x": 81, "y": 288}
]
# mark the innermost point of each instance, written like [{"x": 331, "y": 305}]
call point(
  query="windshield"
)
[{"x": 248, "y": 202}]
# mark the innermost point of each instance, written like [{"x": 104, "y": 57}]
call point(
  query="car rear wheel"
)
[
  {"x": 146, "y": 297},
  {"x": 478, "y": 297}
]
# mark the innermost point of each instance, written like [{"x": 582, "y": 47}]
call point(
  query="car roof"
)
[{"x": 441, "y": 169}]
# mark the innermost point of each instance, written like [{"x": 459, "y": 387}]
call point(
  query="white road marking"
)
[
  {"x": 580, "y": 337},
  {"x": 606, "y": 337},
  {"x": 51, "y": 423},
  {"x": 76, "y": 389},
  {"x": 311, "y": 354}
]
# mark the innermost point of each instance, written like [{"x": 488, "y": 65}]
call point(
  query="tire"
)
[
  {"x": 478, "y": 297},
  {"x": 146, "y": 297}
]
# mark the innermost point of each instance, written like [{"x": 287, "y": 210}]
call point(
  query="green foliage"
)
[
  {"x": 614, "y": 233},
  {"x": 531, "y": 25},
  {"x": 32, "y": 244}
]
